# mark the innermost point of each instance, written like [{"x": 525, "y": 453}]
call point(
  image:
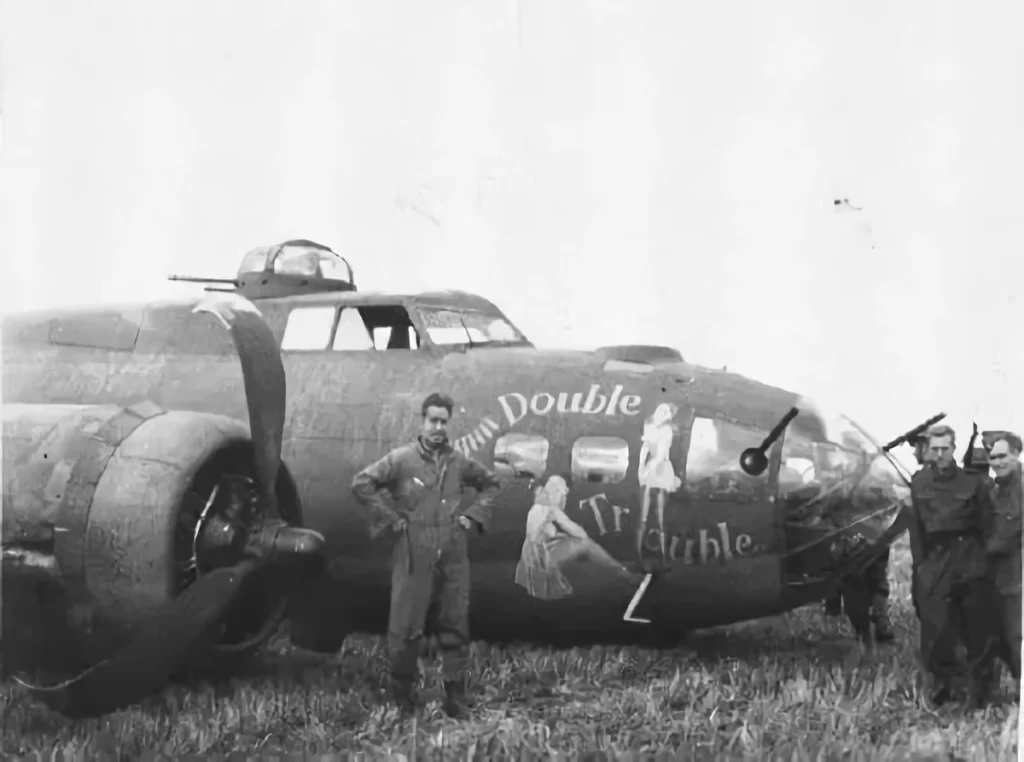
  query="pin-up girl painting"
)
[
  {"x": 656, "y": 473},
  {"x": 552, "y": 540}
]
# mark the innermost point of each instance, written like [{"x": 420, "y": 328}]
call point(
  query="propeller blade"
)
[
  {"x": 265, "y": 384},
  {"x": 51, "y": 628},
  {"x": 158, "y": 648}
]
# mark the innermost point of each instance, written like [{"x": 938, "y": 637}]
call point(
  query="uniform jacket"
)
[
  {"x": 1003, "y": 535},
  {"x": 955, "y": 501},
  {"x": 1004, "y": 532},
  {"x": 426, "y": 489},
  {"x": 951, "y": 511}
]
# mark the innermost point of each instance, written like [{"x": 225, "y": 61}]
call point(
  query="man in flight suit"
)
[
  {"x": 1004, "y": 544},
  {"x": 429, "y": 564},
  {"x": 951, "y": 509}
]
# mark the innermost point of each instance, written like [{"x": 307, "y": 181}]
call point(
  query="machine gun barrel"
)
[
  {"x": 912, "y": 435},
  {"x": 194, "y": 279}
]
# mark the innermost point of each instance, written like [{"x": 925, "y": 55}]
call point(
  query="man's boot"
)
[
  {"x": 834, "y": 605},
  {"x": 455, "y": 704},
  {"x": 978, "y": 692},
  {"x": 880, "y": 615},
  {"x": 401, "y": 694},
  {"x": 941, "y": 692}
]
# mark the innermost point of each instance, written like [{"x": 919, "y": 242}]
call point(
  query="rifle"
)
[
  {"x": 913, "y": 436},
  {"x": 969, "y": 455}
]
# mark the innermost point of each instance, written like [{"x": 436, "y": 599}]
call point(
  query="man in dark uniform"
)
[
  {"x": 921, "y": 455},
  {"x": 1003, "y": 544},
  {"x": 864, "y": 597},
  {"x": 426, "y": 480},
  {"x": 952, "y": 508}
]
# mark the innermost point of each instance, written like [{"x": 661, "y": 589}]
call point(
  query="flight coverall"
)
[
  {"x": 429, "y": 562},
  {"x": 1004, "y": 562},
  {"x": 952, "y": 509}
]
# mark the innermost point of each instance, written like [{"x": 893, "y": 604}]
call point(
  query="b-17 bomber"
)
[{"x": 177, "y": 477}]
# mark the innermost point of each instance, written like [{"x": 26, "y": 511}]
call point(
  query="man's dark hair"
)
[
  {"x": 1012, "y": 441},
  {"x": 437, "y": 399},
  {"x": 942, "y": 430}
]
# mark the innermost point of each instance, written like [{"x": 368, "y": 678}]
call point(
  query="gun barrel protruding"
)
[
  {"x": 194, "y": 279},
  {"x": 914, "y": 434}
]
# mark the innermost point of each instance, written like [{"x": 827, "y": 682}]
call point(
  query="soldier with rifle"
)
[
  {"x": 1003, "y": 543},
  {"x": 864, "y": 592},
  {"x": 952, "y": 509}
]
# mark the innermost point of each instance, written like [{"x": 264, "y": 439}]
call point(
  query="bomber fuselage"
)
[{"x": 720, "y": 534}]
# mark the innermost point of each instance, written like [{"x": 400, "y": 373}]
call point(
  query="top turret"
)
[{"x": 286, "y": 269}]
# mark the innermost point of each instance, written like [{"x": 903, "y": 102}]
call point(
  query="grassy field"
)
[{"x": 795, "y": 687}]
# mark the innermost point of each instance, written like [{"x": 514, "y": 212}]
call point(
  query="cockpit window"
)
[
  {"x": 468, "y": 327},
  {"x": 832, "y": 470},
  {"x": 380, "y": 327},
  {"x": 352, "y": 334},
  {"x": 713, "y": 462},
  {"x": 308, "y": 328}
]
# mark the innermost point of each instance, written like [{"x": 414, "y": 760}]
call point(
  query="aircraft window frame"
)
[
  {"x": 175, "y": 328},
  {"x": 311, "y": 311},
  {"x": 526, "y": 462},
  {"x": 848, "y": 473},
  {"x": 467, "y": 329},
  {"x": 582, "y": 475},
  {"x": 254, "y": 261},
  {"x": 718, "y": 460},
  {"x": 297, "y": 260},
  {"x": 332, "y": 264},
  {"x": 375, "y": 342},
  {"x": 342, "y": 330}
]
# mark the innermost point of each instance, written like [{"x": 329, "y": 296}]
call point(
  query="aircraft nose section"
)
[{"x": 834, "y": 481}]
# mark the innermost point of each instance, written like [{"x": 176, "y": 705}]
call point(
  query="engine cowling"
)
[{"x": 128, "y": 505}]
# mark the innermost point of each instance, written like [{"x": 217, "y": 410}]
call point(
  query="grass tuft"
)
[{"x": 797, "y": 687}]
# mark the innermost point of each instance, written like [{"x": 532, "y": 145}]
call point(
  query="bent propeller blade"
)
[
  {"x": 157, "y": 649},
  {"x": 264, "y": 379}
]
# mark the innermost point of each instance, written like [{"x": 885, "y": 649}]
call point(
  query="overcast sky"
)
[{"x": 654, "y": 171}]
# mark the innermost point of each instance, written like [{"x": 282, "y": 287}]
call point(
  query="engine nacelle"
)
[{"x": 114, "y": 497}]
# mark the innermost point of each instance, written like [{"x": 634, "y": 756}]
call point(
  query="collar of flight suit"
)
[{"x": 433, "y": 456}]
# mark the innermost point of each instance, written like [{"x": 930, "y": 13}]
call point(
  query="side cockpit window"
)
[
  {"x": 713, "y": 461},
  {"x": 600, "y": 460},
  {"x": 521, "y": 455},
  {"x": 378, "y": 327},
  {"x": 308, "y": 328},
  {"x": 349, "y": 329},
  {"x": 352, "y": 334}
]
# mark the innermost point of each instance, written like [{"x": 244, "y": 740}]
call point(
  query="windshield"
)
[
  {"x": 468, "y": 327},
  {"x": 833, "y": 473}
]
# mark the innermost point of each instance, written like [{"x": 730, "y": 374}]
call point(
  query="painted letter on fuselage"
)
[{"x": 509, "y": 415}]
